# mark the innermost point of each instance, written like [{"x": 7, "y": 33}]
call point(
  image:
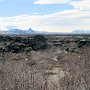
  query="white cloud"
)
[
  {"x": 51, "y": 1},
  {"x": 82, "y": 5},
  {"x": 77, "y": 4},
  {"x": 64, "y": 21}
]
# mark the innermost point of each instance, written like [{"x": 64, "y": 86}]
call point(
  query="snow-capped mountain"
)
[
  {"x": 29, "y": 31},
  {"x": 17, "y": 31},
  {"x": 81, "y": 32}
]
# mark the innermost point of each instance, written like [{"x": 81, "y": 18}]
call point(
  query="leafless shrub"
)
[{"x": 38, "y": 70}]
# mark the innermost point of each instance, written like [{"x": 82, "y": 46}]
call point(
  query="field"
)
[{"x": 50, "y": 62}]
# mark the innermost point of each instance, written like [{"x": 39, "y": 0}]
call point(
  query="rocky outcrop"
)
[
  {"x": 22, "y": 44},
  {"x": 17, "y": 44}
]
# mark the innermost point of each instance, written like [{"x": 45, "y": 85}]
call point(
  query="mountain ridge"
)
[{"x": 17, "y": 31}]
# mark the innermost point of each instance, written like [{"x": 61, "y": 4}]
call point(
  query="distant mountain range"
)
[
  {"x": 81, "y": 32},
  {"x": 31, "y": 31},
  {"x": 21, "y": 32}
]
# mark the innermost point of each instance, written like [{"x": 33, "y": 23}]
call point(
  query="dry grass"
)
[{"x": 50, "y": 69}]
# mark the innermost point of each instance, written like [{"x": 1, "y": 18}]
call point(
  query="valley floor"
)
[{"x": 53, "y": 68}]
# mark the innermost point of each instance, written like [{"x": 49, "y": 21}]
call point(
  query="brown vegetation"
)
[{"x": 54, "y": 68}]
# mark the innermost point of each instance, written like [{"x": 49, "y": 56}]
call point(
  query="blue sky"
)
[
  {"x": 10, "y": 8},
  {"x": 45, "y": 15}
]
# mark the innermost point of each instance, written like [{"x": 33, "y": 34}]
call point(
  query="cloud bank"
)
[
  {"x": 78, "y": 4},
  {"x": 64, "y": 21},
  {"x": 82, "y": 5},
  {"x": 51, "y": 1}
]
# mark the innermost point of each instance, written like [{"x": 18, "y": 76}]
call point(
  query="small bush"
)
[{"x": 39, "y": 42}]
